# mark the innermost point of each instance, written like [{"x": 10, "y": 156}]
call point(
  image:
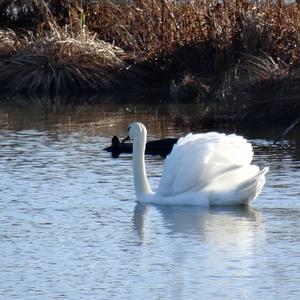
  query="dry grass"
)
[
  {"x": 73, "y": 46},
  {"x": 82, "y": 49},
  {"x": 157, "y": 27},
  {"x": 59, "y": 64},
  {"x": 9, "y": 42},
  {"x": 58, "y": 61}
]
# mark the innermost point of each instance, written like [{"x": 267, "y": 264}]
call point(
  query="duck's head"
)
[{"x": 115, "y": 142}]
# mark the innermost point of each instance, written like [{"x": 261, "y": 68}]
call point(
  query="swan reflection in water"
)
[
  {"x": 208, "y": 248},
  {"x": 223, "y": 225}
]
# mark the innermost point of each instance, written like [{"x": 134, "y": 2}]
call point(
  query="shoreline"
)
[{"x": 244, "y": 57}]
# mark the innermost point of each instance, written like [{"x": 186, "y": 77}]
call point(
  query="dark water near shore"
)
[{"x": 70, "y": 227}]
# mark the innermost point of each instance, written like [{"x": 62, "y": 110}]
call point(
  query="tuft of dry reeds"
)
[
  {"x": 59, "y": 61},
  {"x": 60, "y": 64}
]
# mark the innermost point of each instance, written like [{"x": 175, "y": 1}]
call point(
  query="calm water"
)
[{"x": 70, "y": 227}]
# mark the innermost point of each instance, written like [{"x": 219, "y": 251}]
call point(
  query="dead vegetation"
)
[{"x": 189, "y": 50}]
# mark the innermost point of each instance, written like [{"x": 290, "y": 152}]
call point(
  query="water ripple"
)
[{"x": 70, "y": 227}]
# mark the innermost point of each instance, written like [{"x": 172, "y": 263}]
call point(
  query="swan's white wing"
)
[
  {"x": 238, "y": 186},
  {"x": 197, "y": 159}
]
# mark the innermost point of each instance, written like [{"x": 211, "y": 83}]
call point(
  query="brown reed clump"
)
[
  {"x": 60, "y": 64},
  {"x": 59, "y": 61}
]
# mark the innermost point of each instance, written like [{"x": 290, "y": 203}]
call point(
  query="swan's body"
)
[{"x": 202, "y": 169}]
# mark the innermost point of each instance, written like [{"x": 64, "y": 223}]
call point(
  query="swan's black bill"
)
[{"x": 126, "y": 139}]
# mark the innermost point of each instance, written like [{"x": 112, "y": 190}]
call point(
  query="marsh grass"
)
[{"x": 222, "y": 51}]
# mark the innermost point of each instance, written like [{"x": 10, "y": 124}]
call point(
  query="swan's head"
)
[{"x": 137, "y": 131}]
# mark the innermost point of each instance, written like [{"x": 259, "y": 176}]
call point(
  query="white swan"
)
[{"x": 202, "y": 169}]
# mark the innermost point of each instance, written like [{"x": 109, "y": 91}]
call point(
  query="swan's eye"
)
[{"x": 128, "y": 128}]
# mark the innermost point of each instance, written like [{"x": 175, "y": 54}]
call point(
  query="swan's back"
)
[{"x": 199, "y": 159}]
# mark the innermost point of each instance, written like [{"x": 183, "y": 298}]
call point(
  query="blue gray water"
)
[{"x": 70, "y": 227}]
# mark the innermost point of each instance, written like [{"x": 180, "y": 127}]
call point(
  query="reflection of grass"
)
[{"x": 232, "y": 52}]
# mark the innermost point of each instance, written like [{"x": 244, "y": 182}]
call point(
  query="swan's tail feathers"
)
[{"x": 252, "y": 187}]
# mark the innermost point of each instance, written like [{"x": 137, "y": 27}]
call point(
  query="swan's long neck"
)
[{"x": 141, "y": 184}]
